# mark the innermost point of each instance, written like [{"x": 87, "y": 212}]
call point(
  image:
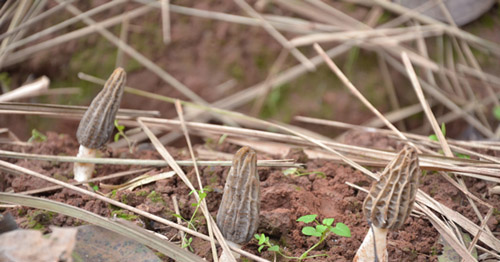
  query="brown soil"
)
[{"x": 284, "y": 199}]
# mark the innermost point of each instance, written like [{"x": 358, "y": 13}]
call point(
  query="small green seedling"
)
[
  {"x": 37, "y": 136},
  {"x": 203, "y": 195},
  {"x": 321, "y": 230},
  {"x": 462, "y": 156},
  {"x": 120, "y": 129},
  {"x": 300, "y": 172},
  {"x": 222, "y": 138},
  {"x": 94, "y": 187},
  {"x": 434, "y": 137}
]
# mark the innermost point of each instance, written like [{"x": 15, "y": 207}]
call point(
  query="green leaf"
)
[
  {"x": 341, "y": 229},
  {"x": 257, "y": 236},
  {"x": 260, "y": 248},
  {"x": 443, "y": 129},
  {"x": 462, "y": 156},
  {"x": 434, "y": 137},
  {"x": 274, "y": 248},
  {"x": 307, "y": 218},
  {"x": 496, "y": 112},
  {"x": 290, "y": 171},
  {"x": 321, "y": 228},
  {"x": 328, "y": 221},
  {"x": 118, "y": 126},
  {"x": 194, "y": 204},
  {"x": 310, "y": 231},
  {"x": 37, "y": 136},
  {"x": 95, "y": 187},
  {"x": 262, "y": 239},
  {"x": 222, "y": 138},
  {"x": 202, "y": 195},
  {"x": 117, "y": 136}
]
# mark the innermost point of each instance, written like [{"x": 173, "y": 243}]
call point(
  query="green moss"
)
[
  {"x": 124, "y": 214},
  {"x": 39, "y": 219},
  {"x": 113, "y": 194},
  {"x": 155, "y": 197},
  {"x": 124, "y": 199},
  {"x": 141, "y": 193}
]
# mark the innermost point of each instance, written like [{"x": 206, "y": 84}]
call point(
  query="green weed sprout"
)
[
  {"x": 190, "y": 224},
  {"x": 301, "y": 172},
  {"x": 120, "y": 133},
  {"x": 37, "y": 136},
  {"x": 321, "y": 230},
  {"x": 433, "y": 137}
]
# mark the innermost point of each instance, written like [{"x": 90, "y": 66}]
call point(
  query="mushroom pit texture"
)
[
  {"x": 389, "y": 203},
  {"x": 238, "y": 215},
  {"x": 97, "y": 123}
]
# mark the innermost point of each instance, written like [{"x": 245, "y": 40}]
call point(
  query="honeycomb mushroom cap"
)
[
  {"x": 238, "y": 215},
  {"x": 391, "y": 198},
  {"x": 97, "y": 123}
]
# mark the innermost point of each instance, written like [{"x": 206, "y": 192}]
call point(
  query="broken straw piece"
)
[
  {"x": 238, "y": 215},
  {"x": 97, "y": 123},
  {"x": 389, "y": 203}
]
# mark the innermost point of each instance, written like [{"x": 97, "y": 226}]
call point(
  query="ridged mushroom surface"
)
[
  {"x": 97, "y": 123},
  {"x": 391, "y": 198},
  {"x": 238, "y": 215}
]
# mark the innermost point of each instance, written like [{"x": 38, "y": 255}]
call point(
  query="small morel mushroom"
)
[
  {"x": 238, "y": 215},
  {"x": 97, "y": 123},
  {"x": 389, "y": 203}
]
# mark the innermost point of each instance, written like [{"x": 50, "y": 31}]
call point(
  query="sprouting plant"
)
[
  {"x": 222, "y": 138},
  {"x": 321, "y": 230},
  {"x": 120, "y": 129},
  {"x": 37, "y": 136},
  {"x": 94, "y": 187},
  {"x": 264, "y": 242},
  {"x": 433, "y": 137},
  {"x": 301, "y": 172},
  {"x": 203, "y": 194},
  {"x": 464, "y": 156}
]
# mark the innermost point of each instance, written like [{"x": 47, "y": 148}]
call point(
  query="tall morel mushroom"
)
[
  {"x": 238, "y": 215},
  {"x": 389, "y": 203},
  {"x": 97, "y": 123}
]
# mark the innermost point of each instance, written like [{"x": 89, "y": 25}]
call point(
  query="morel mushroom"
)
[
  {"x": 238, "y": 215},
  {"x": 97, "y": 123},
  {"x": 389, "y": 203}
]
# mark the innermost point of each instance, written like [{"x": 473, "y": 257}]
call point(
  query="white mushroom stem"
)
[
  {"x": 224, "y": 257},
  {"x": 366, "y": 252},
  {"x": 83, "y": 171}
]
